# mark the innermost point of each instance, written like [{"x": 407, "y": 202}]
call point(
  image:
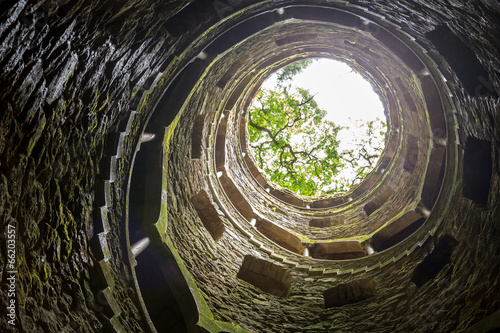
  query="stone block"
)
[
  {"x": 208, "y": 215},
  {"x": 115, "y": 326},
  {"x": 266, "y": 249},
  {"x": 106, "y": 301},
  {"x": 101, "y": 222},
  {"x": 382, "y": 196},
  {"x": 349, "y": 293},
  {"x": 266, "y": 276},
  {"x": 316, "y": 271},
  {"x": 255, "y": 242},
  {"x": 399, "y": 228},
  {"x": 338, "y": 250},
  {"x": 290, "y": 262},
  {"x": 100, "y": 248},
  {"x": 280, "y": 236},
  {"x": 105, "y": 277},
  {"x": 277, "y": 256}
]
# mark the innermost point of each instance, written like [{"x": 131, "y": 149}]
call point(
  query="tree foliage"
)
[
  {"x": 298, "y": 148},
  {"x": 367, "y": 149},
  {"x": 292, "y": 141},
  {"x": 287, "y": 73}
]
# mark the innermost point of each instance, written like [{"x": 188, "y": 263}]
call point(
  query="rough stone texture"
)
[
  {"x": 71, "y": 76},
  {"x": 208, "y": 215},
  {"x": 266, "y": 276},
  {"x": 354, "y": 292},
  {"x": 357, "y": 223}
]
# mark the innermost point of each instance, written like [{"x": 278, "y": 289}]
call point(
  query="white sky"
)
[{"x": 344, "y": 94}]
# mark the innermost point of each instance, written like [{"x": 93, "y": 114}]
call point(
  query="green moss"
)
[
  {"x": 46, "y": 272},
  {"x": 36, "y": 282}
]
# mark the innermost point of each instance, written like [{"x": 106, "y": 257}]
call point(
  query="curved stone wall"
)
[{"x": 134, "y": 209}]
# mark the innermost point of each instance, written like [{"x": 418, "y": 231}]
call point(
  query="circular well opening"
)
[{"x": 316, "y": 127}]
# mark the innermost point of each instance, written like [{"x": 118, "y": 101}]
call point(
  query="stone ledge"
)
[
  {"x": 280, "y": 236},
  {"x": 266, "y": 276},
  {"x": 338, "y": 250},
  {"x": 107, "y": 300},
  {"x": 105, "y": 277},
  {"x": 349, "y": 293},
  {"x": 100, "y": 248},
  {"x": 208, "y": 215},
  {"x": 397, "y": 230}
]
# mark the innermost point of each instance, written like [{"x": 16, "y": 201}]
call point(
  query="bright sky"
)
[{"x": 345, "y": 95}]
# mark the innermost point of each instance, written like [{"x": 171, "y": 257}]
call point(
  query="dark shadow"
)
[
  {"x": 477, "y": 170},
  {"x": 463, "y": 61},
  {"x": 431, "y": 266},
  {"x": 157, "y": 294},
  {"x": 400, "y": 236},
  {"x": 145, "y": 189},
  {"x": 349, "y": 293},
  {"x": 197, "y": 136}
]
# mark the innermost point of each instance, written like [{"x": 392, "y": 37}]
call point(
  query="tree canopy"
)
[
  {"x": 297, "y": 147},
  {"x": 287, "y": 73},
  {"x": 292, "y": 141}
]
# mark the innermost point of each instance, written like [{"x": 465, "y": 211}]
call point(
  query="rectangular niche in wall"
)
[
  {"x": 197, "y": 136},
  {"x": 266, "y": 276},
  {"x": 477, "y": 170},
  {"x": 280, "y": 236},
  {"x": 379, "y": 200},
  {"x": 434, "y": 176},
  {"x": 435, "y": 261},
  {"x": 349, "y": 293},
  {"x": 411, "y": 153},
  {"x": 220, "y": 145},
  {"x": 397, "y": 230},
  {"x": 208, "y": 214},
  {"x": 463, "y": 61}
]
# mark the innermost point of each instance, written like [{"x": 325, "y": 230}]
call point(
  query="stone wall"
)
[
  {"x": 70, "y": 72},
  {"x": 80, "y": 84}
]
